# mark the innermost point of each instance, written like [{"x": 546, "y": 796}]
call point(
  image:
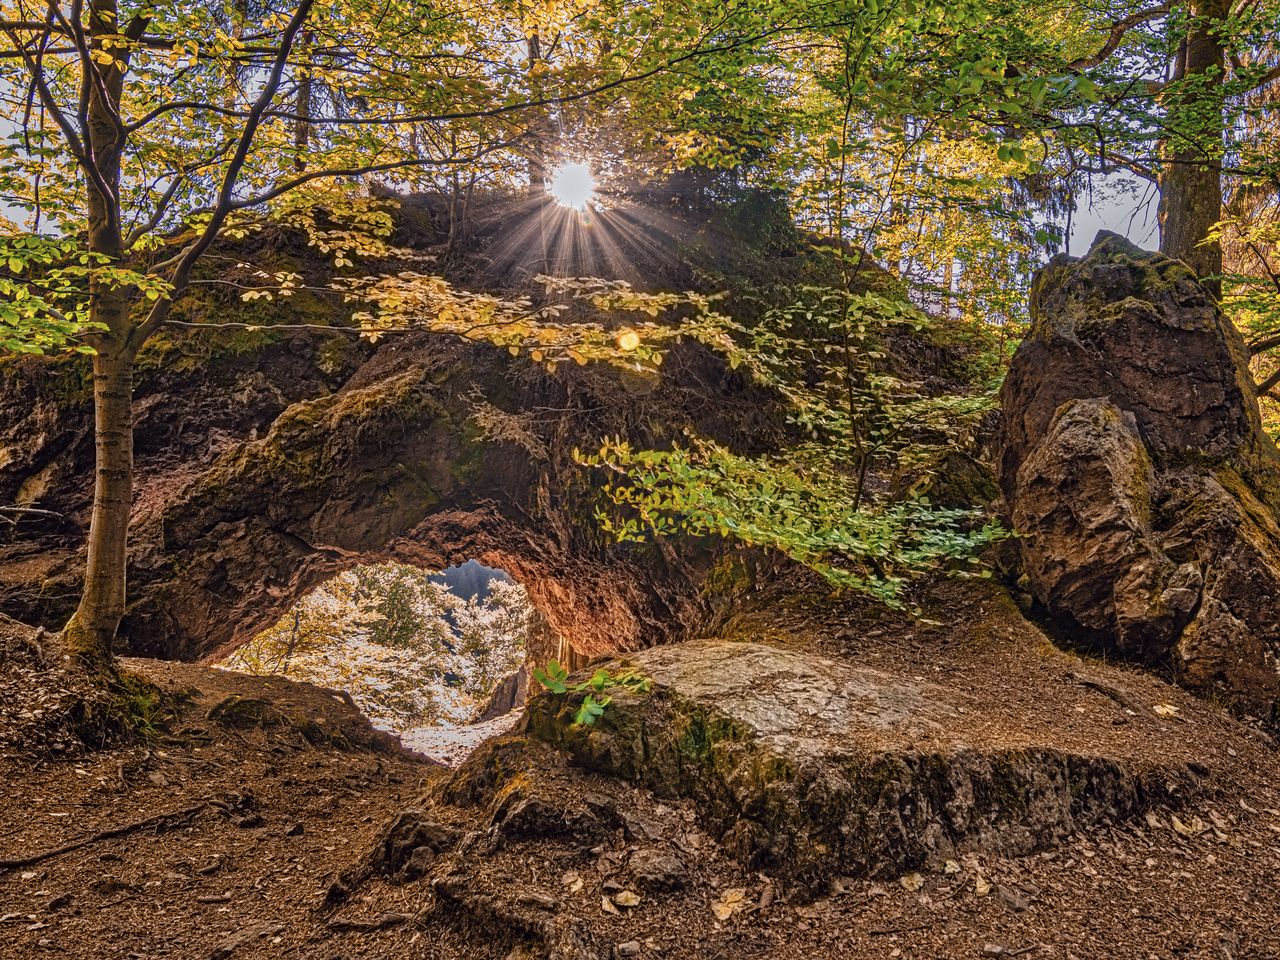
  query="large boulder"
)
[
  {"x": 808, "y": 767},
  {"x": 1137, "y": 473}
]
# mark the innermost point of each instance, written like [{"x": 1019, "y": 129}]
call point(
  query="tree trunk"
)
[
  {"x": 1191, "y": 181},
  {"x": 537, "y": 153},
  {"x": 92, "y": 628}
]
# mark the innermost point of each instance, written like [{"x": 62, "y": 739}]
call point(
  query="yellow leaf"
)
[
  {"x": 628, "y": 340},
  {"x": 730, "y": 902},
  {"x": 1192, "y": 829}
]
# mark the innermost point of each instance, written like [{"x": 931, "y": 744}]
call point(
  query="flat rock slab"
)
[{"x": 809, "y": 766}]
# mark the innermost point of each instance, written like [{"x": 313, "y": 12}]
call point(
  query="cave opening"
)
[{"x": 439, "y": 658}]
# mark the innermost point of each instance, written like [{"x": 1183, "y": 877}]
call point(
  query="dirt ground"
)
[{"x": 247, "y": 821}]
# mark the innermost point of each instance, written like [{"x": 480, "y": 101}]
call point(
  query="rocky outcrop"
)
[
  {"x": 1136, "y": 470},
  {"x": 807, "y": 767},
  {"x": 425, "y": 450}
]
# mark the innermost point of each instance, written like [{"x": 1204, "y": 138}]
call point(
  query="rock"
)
[
  {"x": 265, "y": 473},
  {"x": 1134, "y": 464},
  {"x": 295, "y": 830},
  {"x": 527, "y": 816},
  {"x": 509, "y": 694},
  {"x": 629, "y": 949},
  {"x": 809, "y": 767},
  {"x": 410, "y": 843},
  {"x": 657, "y": 869},
  {"x": 419, "y": 863},
  {"x": 1010, "y": 898}
]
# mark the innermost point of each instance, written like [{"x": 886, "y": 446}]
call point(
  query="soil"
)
[{"x": 268, "y": 813}]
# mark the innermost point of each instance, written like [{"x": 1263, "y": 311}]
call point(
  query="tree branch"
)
[{"x": 1118, "y": 30}]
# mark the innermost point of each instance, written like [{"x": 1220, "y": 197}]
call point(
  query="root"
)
[{"x": 170, "y": 819}]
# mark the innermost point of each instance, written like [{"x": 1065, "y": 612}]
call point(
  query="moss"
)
[
  {"x": 961, "y": 482},
  {"x": 730, "y": 575},
  {"x": 336, "y": 354},
  {"x": 139, "y": 707},
  {"x": 305, "y": 444}
]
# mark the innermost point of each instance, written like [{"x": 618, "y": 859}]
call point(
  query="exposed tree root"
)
[{"x": 171, "y": 818}]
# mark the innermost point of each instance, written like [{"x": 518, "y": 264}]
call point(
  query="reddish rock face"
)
[
  {"x": 258, "y": 481},
  {"x": 1134, "y": 463}
]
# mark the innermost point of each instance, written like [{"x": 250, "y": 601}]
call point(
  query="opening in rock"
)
[{"x": 437, "y": 658}]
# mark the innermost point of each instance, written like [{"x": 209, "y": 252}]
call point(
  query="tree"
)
[
  {"x": 1171, "y": 86},
  {"x": 147, "y": 131}
]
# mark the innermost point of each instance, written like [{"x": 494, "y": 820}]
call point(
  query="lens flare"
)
[{"x": 573, "y": 186}]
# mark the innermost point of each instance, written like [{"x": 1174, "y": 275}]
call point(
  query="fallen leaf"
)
[
  {"x": 1192, "y": 829},
  {"x": 607, "y": 906},
  {"x": 573, "y": 881},
  {"x": 911, "y": 881},
  {"x": 730, "y": 902},
  {"x": 951, "y": 867},
  {"x": 1166, "y": 709},
  {"x": 627, "y": 898},
  {"x": 980, "y": 886}
]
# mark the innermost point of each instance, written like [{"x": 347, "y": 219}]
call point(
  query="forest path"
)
[{"x": 291, "y": 788}]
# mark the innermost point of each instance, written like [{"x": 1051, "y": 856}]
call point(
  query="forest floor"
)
[{"x": 238, "y": 817}]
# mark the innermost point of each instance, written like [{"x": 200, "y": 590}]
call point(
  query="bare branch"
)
[{"x": 1118, "y": 30}]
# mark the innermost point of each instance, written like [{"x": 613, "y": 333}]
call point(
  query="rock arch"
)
[{"x": 260, "y": 479}]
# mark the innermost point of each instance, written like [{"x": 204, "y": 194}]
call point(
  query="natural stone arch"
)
[{"x": 433, "y": 452}]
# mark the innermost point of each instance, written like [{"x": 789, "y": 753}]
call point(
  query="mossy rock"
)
[{"x": 809, "y": 767}]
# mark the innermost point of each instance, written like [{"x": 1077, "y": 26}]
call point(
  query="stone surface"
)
[
  {"x": 1133, "y": 462},
  {"x": 808, "y": 766}
]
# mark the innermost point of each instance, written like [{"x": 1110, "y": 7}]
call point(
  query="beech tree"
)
[
  {"x": 1174, "y": 94},
  {"x": 145, "y": 131}
]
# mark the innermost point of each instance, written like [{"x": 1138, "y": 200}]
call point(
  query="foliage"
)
[
  {"x": 410, "y": 300},
  {"x": 555, "y": 678},
  {"x": 798, "y": 506},
  {"x": 824, "y": 353}
]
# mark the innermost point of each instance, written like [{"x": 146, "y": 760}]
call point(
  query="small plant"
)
[{"x": 555, "y": 678}]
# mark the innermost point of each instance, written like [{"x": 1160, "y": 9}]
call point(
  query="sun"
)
[{"x": 573, "y": 186}]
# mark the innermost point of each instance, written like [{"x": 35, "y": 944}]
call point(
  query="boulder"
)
[
  {"x": 809, "y": 767},
  {"x": 1136, "y": 470}
]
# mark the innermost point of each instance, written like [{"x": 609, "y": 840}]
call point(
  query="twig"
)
[
  {"x": 28, "y": 511},
  {"x": 159, "y": 819},
  {"x": 370, "y": 926},
  {"x": 1109, "y": 692}
]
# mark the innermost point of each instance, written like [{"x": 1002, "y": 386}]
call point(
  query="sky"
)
[{"x": 1121, "y": 203}]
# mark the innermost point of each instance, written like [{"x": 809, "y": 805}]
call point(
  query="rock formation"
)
[
  {"x": 1136, "y": 470},
  {"x": 812, "y": 765},
  {"x": 262, "y": 475}
]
